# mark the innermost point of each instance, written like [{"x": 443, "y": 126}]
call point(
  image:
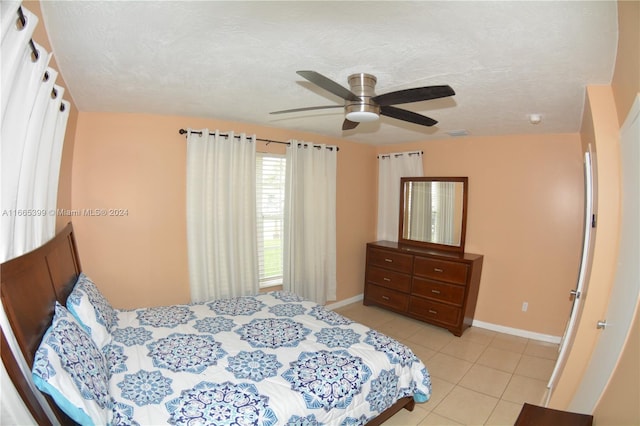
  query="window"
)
[{"x": 270, "y": 178}]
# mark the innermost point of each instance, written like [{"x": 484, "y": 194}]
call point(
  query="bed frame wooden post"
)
[{"x": 30, "y": 285}]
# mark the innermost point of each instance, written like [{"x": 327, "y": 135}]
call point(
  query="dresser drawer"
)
[
  {"x": 383, "y": 296},
  {"x": 434, "y": 311},
  {"x": 442, "y": 270},
  {"x": 442, "y": 292},
  {"x": 390, "y": 279},
  {"x": 390, "y": 260}
]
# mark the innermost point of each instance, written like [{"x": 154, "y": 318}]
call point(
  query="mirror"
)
[{"x": 433, "y": 212}]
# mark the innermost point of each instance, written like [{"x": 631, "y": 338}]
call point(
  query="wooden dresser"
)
[{"x": 437, "y": 287}]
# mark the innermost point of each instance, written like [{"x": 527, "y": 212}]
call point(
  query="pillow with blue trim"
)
[
  {"x": 92, "y": 310},
  {"x": 69, "y": 366}
]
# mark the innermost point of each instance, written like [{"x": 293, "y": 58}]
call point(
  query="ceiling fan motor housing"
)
[{"x": 362, "y": 85}]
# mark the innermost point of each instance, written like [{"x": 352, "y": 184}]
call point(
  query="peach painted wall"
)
[
  {"x": 138, "y": 163},
  {"x": 524, "y": 216}
]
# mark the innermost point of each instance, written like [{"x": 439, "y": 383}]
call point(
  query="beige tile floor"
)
[{"x": 481, "y": 378}]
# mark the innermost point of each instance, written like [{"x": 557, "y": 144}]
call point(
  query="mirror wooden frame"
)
[{"x": 428, "y": 244}]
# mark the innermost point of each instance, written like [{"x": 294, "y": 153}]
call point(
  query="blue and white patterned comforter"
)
[{"x": 270, "y": 359}]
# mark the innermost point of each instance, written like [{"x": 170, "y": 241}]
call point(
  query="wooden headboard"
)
[{"x": 30, "y": 285}]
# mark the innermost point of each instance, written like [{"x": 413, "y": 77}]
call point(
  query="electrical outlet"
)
[{"x": 525, "y": 306}]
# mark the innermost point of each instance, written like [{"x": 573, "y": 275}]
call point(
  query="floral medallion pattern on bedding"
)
[
  {"x": 83, "y": 361},
  {"x": 273, "y": 333},
  {"x": 69, "y": 366},
  {"x": 145, "y": 387},
  {"x": 327, "y": 379},
  {"x": 236, "y": 306},
  {"x": 165, "y": 316},
  {"x": 116, "y": 359},
  {"x": 384, "y": 391},
  {"x": 41, "y": 365},
  {"x": 221, "y": 404},
  {"x": 214, "y": 325},
  {"x": 130, "y": 336},
  {"x": 337, "y": 337},
  {"x": 92, "y": 310},
  {"x": 287, "y": 310},
  {"x": 330, "y": 317},
  {"x": 395, "y": 351},
  {"x": 123, "y": 415},
  {"x": 309, "y": 420},
  {"x": 191, "y": 353},
  {"x": 104, "y": 312},
  {"x": 255, "y": 365},
  {"x": 352, "y": 421}
]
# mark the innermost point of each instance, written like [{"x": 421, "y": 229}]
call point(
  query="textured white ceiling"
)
[{"x": 238, "y": 60}]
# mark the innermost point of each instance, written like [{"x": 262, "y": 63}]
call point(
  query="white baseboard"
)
[
  {"x": 517, "y": 332},
  {"x": 480, "y": 324},
  {"x": 345, "y": 302}
]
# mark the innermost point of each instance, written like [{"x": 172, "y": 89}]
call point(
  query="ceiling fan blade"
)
[
  {"x": 329, "y": 85},
  {"x": 404, "y": 115},
  {"x": 306, "y": 109},
  {"x": 413, "y": 95},
  {"x": 348, "y": 124}
]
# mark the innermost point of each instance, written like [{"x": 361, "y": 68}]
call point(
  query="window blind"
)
[{"x": 270, "y": 181}]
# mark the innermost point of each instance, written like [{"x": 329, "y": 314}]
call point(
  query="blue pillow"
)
[
  {"x": 70, "y": 367},
  {"x": 92, "y": 310}
]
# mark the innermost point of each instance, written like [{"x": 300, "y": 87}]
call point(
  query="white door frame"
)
[{"x": 576, "y": 307}]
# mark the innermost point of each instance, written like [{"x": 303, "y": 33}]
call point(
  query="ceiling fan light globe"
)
[
  {"x": 361, "y": 112},
  {"x": 362, "y": 116}
]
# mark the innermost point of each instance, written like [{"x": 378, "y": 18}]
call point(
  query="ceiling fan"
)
[{"x": 363, "y": 105}]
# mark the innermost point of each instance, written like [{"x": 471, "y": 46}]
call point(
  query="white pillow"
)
[
  {"x": 92, "y": 310},
  {"x": 69, "y": 366}
]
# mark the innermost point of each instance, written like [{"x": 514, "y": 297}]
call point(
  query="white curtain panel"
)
[
  {"x": 418, "y": 226},
  {"x": 8, "y": 9},
  {"x": 310, "y": 221},
  {"x": 15, "y": 39},
  {"x": 33, "y": 128},
  {"x": 446, "y": 208},
  {"x": 12, "y": 408},
  {"x": 391, "y": 167},
  {"x": 55, "y": 162},
  {"x": 221, "y": 215},
  {"x": 33, "y": 125}
]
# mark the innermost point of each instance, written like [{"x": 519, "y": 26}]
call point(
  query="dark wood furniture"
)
[
  {"x": 30, "y": 286},
  {"x": 533, "y": 415},
  {"x": 438, "y": 287}
]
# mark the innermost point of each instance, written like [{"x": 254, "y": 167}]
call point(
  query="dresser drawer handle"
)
[
  {"x": 431, "y": 311},
  {"x": 387, "y": 279},
  {"x": 388, "y": 260},
  {"x": 438, "y": 269},
  {"x": 385, "y": 297},
  {"x": 435, "y": 291}
]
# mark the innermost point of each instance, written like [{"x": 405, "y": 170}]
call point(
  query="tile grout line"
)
[{"x": 489, "y": 343}]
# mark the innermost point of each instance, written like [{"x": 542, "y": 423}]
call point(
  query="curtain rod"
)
[
  {"x": 400, "y": 154},
  {"x": 268, "y": 141},
  {"x": 23, "y": 21}
]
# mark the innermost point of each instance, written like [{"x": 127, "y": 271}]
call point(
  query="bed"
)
[{"x": 268, "y": 359}]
